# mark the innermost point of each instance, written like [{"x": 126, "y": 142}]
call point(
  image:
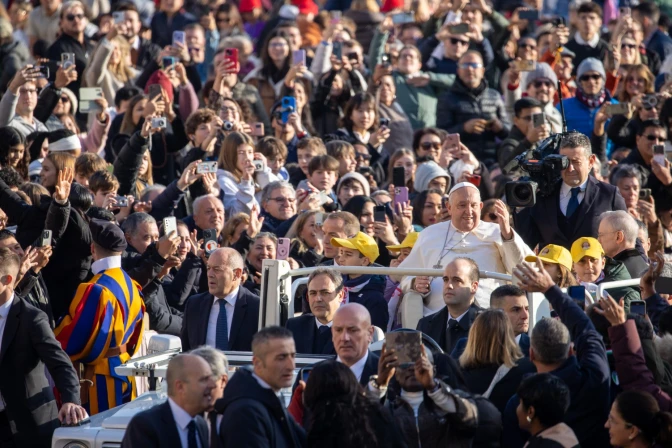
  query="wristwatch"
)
[{"x": 374, "y": 383}]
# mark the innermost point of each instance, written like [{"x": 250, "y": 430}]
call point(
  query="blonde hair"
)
[
  {"x": 122, "y": 71},
  {"x": 365, "y": 5},
  {"x": 491, "y": 342},
  {"x": 231, "y": 224},
  {"x": 294, "y": 232},
  {"x": 147, "y": 179}
]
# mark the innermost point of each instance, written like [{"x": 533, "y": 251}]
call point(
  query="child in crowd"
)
[{"x": 275, "y": 152}]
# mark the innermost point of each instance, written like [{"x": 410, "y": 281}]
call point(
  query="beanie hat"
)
[
  {"x": 590, "y": 65},
  {"x": 288, "y": 12},
  {"x": 72, "y": 97},
  {"x": 249, "y": 5},
  {"x": 160, "y": 78},
  {"x": 359, "y": 178},
  {"x": 426, "y": 172},
  {"x": 306, "y": 7},
  {"x": 390, "y": 5},
  {"x": 541, "y": 71}
]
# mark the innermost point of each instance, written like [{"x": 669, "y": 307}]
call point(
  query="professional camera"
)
[{"x": 543, "y": 166}]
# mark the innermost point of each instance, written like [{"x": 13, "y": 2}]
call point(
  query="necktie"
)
[
  {"x": 212, "y": 416},
  {"x": 452, "y": 323},
  {"x": 222, "y": 333},
  {"x": 573, "y": 202},
  {"x": 191, "y": 435}
]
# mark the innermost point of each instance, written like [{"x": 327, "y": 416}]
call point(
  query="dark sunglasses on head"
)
[
  {"x": 538, "y": 84},
  {"x": 429, "y": 145},
  {"x": 591, "y": 77},
  {"x": 455, "y": 41},
  {"x": 71, "y": 17}
]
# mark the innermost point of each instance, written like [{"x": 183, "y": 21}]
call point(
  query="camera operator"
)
[{"x": 573, "y": 208}]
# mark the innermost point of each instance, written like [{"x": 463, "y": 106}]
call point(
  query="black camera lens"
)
[
  {"x": 522, "y": 193},
  {"x": 227, "y": 126}
]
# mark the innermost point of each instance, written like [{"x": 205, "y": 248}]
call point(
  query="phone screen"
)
[
  {"x": 399, "y": 176},
  {"x": 578, "y": 295},
  {"x": 379, "y": 213},
  {"x": 638, "y": 307}
]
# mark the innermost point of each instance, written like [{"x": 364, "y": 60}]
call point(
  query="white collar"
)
[
  {"x": 106, "y": 263},
  {"x": 592, "y": 42},
  {"x": 182, "y": 417},
  {"x": 518, "y": 338},
  {"x": 231, "y": 297},
  {"x": 264, "y": 384},
  {"x": 358, "y": 367},
  {"x": 458, "y": 318},
  {"x": 320, "y": 324},
  {"x": 4, "y": 308},
  {"x": 566, "y": 190}
]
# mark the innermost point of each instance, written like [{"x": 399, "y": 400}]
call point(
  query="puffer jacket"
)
[{"x": 462, "y": 104}]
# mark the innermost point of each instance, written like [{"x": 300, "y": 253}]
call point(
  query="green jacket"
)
[{"x": 616, "y": 270}]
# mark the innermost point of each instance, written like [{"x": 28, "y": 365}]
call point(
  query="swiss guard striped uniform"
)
[{"x": 103, "y": 329}]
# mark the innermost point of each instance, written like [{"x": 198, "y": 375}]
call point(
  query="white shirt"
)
[
  {"x": 566, "y": 195},
  {"x": 320, "y": 324},
  {"x": 182, "y": 419},
  {"x": 518, "y": 339},
  {"x": 358, "y": 367},
  {"x": 106, "y": 263},
  {"x": 458, "y": 318},
  {"x": 4, "y": 312},
  {"x": 591, "y": 43},
  {"x": 230, "y": 303}
]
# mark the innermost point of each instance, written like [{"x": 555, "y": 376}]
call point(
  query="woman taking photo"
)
[
  {"x": 385, "y": 90},
  {"x": 635, "y": 421},
  {"x": 638, "y": 81},
  {"x": 427, "y": 144},
  {"x": 13, "y": 151},
  {"x": 544, "y": 400},
  {"x": 109, "y": 66},
  {"x": 306, "y": 245},
  {"x": 403, "y": 158},
  {"x": 558, "y": 263}
]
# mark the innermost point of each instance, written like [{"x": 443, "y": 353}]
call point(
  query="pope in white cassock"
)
[{"x": 495, "y": 247}]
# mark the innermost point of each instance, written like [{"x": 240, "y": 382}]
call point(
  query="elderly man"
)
[
  {"x": 351, "y": 333},
  {"x": 278, "y": 201},
  {"x": 208, "y": 214},
  {"x": 572, "y": 211},
  {"x": 219, "y": 365},
  {"x": 494, "y": 247},
  {"x": 337, "y": 225},
  {"x": 617, "y": 234}
]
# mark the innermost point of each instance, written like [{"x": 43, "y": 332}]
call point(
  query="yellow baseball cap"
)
[
  {"x": 553, "y": 254},
  {"x": 361, "y": 242},
  {"x": 586, "y": 246},
  {"x": 408, "y": 242}
]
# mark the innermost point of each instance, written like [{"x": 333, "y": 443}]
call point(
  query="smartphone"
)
[
  {"x": 67, "y": 60},
  {"x": 299, "y": 57},
  {"x": 154, "y": 91},
  {"x": 400, "y": 196},
  {"x": 645, "y": 193},
  {"x": 43, "y": 70},
  {"x": 209, "y": 241},
  {"x": 283, "y": 249},
  {"x": 179, "y": 37},
  {"x": 525, "y": 66},
  {"x": 386, "y": 60},
  {"x": 169, "y": 225},
  {"x": 578, "y": 295},
  {"x": 335, "y": 16},
  {"x": 625, "y": 11},
  {"x": 659, "y": 154},
  {"x": 453, "y": 140},
  {"x": 258, "y": 129},
  {"x": 444, "y": 202},
  {"x": 231, "y": 56},
  {"x": 385, "y": 122},
  {"x": 324, "y": 198},
  {"x": 379, "y": 213},
  {"x": 460, "y": 28},
  {"x": 617, "y": 109},
  {"x": 528, "y": 14},
  {"x": 337, "y": 50},
  {"x": 87, "y": 98},
  {"x": 399, "y": 176},
  {"x": 319, "y": 219},
  {"x": 304, "y": 372},
  {"x": 403, "y": 17},
  {"x": 168, "y": 61},
  {"x": 407, "y": 346},
  {"x": 119, "y": 17},
  {"x": 288, "y": 106},
  {"x": 538, "y": 120},
  {"x": 45, "y": 239},
  {"x": 258, "y": 165},
  {"x": 206, "y": 167},
  {"x": 122, "y": 201},
  {"x": 474, "y": 179},
  {"x": 638, "y": 307}
]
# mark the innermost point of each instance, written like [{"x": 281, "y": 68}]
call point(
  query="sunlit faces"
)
[
  {"x": 588, "y": 269},
  {"x": 431, "y": 211},
  {"x": 263, "y": 249},
  {"x": 351, "y": 257},
  {"x": 579, "y": 166},
  {"x": 146, "y": 233}
]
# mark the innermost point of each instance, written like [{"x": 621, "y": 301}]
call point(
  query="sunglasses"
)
[
  {"x": 653, "y": 138},
  {"x": 456, "y": 41},
  {"x": 530, "y": 46},
  {"x": 429, "y": 145},
  {"x": 466, "y": 65},
  {"x": 64, "y": 99},
  {"x": 538, "y": 84},
  {"x": 629, "y": 46},
  {"x": 591, "y": 77},
  {"x": 72, "y": 17},
  {"x": 277, "y": 115},
  {"x": 362, "y": 156},
  {"x": 222, "y": 20}
]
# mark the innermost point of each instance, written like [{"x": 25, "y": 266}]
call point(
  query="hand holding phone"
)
[
  {"x": 169, "y": 225},
  {"x": 283, "y": 249}
]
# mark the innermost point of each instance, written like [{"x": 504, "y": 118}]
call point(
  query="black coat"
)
[
  {"x": 634, "y": 262},
  {"x": 127, "y": 164},
  {"x": 372, "y": 297},
  {"x": 180, "y": 284},
  {"x": 244, "y": 326},
  {"x": 304, "y": 330},
  {"x": 156, "y": 427},
  {"x": 543, "y": 223},
  {"x": 68, "y": 44},
  {"x": 436, "y": 326},
  {"x": 254, "y": 416},
  {"x": 28, "y": 344},
  {"x": 147, "y": 53},
  {"x": 13, "y": 57}
]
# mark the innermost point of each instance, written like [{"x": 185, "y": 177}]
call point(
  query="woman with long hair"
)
[
  {"x": 228, "y": 21},
  {"x": 525, "y": 50},
  {"x": 638, "y": 81},
  {"x": 492, "y": 362},
  {"x": 362, "y": 207},
  {"x": 403, "y": 158},
  {"x": 52, "y": 165},
  {"x": 13, "y": 151},
  {"x": 401, "y": 132},
  {"x": 427, "y": 144},
  {"x": 110, "y": 65},
  {"x": 234, "y": 227},
  {"x": 558, "y": 263},
  {"x": 427, "y": 209},
  {"x": 340, "y": 415},
  {"x": 636, "y": 421},
  {"x": 306, "y": 247}
]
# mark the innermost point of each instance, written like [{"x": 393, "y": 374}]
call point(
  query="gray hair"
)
[
  {"x": 216, "y": 358},
  {"x": 643, "y": 227},
  {"x": 270, "y": 188},
  {"x": 620, "y": 220},
  {"x": 134, "y": 221},
  {"x": 197, "y": 202},
  {"x": 626, "y": 172},
  {"x": 147, "y": 192},
  {"x": 268, "y": 235},
  {"x": 577, "y": 140},
  {"x": 550, "y": 341},
  {"x": 333, "y": 275}
]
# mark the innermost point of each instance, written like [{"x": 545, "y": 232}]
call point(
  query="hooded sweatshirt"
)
[{"x": 426, "y": 172}]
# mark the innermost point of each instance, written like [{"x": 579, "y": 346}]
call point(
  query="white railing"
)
[
  {"x": 413, "y": 272},
  {"x": 616, "y": 284}
]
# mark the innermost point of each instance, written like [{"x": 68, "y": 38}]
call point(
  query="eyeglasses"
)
[
  {"x": 72, "y": 17},
  {"x": 277, "y": 115},
  {"x": 282, "y": 200},
  {"x": 594, "y": 77},
  {"x": 455, "y": 41},
  {"x": 64, "y": 99},
  {"x": 474, "y": 65},
  {"x": 654, "y": 138},
  {"x": 539, "y": 84},
  {"x": 221, "y": 19},
  {"x": 429, "y": 145},
  {"x": 530, "y": 46},
  {"x": 629, "y": 46}
]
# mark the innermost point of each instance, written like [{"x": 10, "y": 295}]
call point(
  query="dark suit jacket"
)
[
  {"x": 244, "y": 325},
  {"x": 436, "y": 326},
  {"x": 28, "y": 344},
  {"x": 156, "y": 427},
  {"x": 370, "y": 368},
  {"x": 304, "y": 330},
  {"x": 539, "y": 224},
  {"x": 524, "y": 345}
]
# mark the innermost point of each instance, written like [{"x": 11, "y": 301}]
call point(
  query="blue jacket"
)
[
  {"x": 661, "y": 44},
  {"x": 582, "y": 119},
  {"x": 586, "y": 375}
]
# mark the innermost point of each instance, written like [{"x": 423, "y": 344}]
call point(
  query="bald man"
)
[
  {"x": 227, "y": 316},
  {"x": 495, "y": 247},
  {"x": 190, "y": 388},
  {"x": 351, "y": 333}
]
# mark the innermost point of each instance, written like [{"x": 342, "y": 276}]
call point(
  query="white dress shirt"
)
[
  {"x": 358, "y": 367},
  {"x": 458, "y": 318},
  {"x": 106, "y": 263},
  {"x": 566, "y": 195},
  {"x": 230, "y": 303},
  {"x": 320, "y": 324},
  {"x": 4, "y": 312},
  {"x": 591, "y": 43},
  {"x": 182, "y": 419}
]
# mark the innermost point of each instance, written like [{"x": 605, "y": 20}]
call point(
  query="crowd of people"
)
[{"x": 154, "y": 154}]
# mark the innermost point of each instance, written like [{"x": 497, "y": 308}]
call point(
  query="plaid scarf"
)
[{"x": 592, "y": 101}]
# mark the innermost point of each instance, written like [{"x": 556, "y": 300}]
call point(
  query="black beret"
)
[{"x": 107, "y": 235}]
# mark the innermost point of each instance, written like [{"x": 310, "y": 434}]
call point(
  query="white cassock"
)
[{"x": 441, "y": 243}]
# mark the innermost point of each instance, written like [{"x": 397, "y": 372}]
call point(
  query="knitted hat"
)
[
  {"x": 249, "y": 5},
  {"x": 542, "y": 71},
  {"x": 390, "y": 5},
  {"x": 426, "y": 172},
  {"x": 306, "y": 7},
  {"x": 359, "y": 178},
  {"x": 590, "y": 65},
  {"x": 160, "y": 78},
  {"x": 72, "y": 97},
  {"x": 288, "y": 12}
]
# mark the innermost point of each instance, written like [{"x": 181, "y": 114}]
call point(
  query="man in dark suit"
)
[
  {"x": 143, "y": 51},
  {"x": 227, "y": 316},
  {"x": 190, "y": 385},
  {"x": 450, "y": 324},
  {"x": 28, "y": 412},
  {"x": 312, "y": 331},
  {"x": 352, "y": 333},
  {"x": 573, "y": 210}
]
